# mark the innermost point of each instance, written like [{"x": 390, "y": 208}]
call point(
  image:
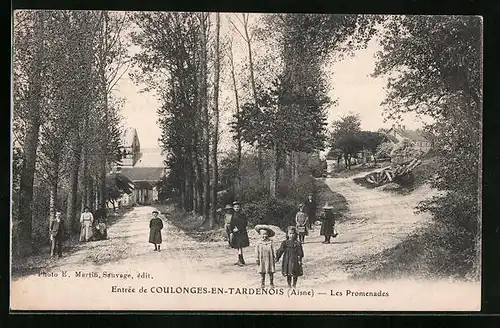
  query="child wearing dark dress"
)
[
  {"x": 292, "y": 252},
  {"x": 155, "y": 226}
]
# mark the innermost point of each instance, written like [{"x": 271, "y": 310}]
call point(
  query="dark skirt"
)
[
  {"x": 327, "y": 227},
  {"x": 290, "y": 266},
  {"x": 155, "y": 236},
  {"x": 240, "y": 239}
]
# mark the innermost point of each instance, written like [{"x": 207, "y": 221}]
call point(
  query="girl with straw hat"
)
[
  {"x": 265, "y": 254},
  {"x": 328, "y": 223}
]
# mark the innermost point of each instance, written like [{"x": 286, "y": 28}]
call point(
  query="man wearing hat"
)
[
  {"x": 56, "y": 233},
  {"x": 238, "y": 227},
  {"x": 328, "y": 223},
  {"x": 227, "y": 222}
]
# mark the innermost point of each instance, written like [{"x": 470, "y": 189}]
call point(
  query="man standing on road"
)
[
  {"x": 310, "y": 209},
  {"x": 238, "y": 227},
  {"x": 56, "y": 232}
]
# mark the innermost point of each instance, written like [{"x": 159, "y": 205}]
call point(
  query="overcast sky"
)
[{"x": 349, "y": 79}]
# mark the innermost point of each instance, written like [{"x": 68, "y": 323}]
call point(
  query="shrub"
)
[{"x": 278, "y": 212}]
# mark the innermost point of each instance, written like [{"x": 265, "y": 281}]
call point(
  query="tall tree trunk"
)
[
  {"x": 296, "y": 164},
  {"x": 27, "y": 175},
  {"x": 248, "y": 40},
  {"x": 53, "y": 201},
  {"x": 26, "y": 183},
  {"x": 275, "y": 173},
  {"x": 237, "y": 180},
  {"x": 205, "y": 120},
  {"x": 102, "y": 186},
  {"x": 90, "y": 193},
  {"x": 215, "y": 169},
  {"x": 71, "y": 211},
  {"x": 85, "y": 180}
]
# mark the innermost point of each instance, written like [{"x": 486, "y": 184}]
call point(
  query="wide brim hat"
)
[
  {"x": 301, "y": 205},
  {"x": 155, "y": 211},
  {"x": 228, "y": 207},
  {"x": 327, "y": 207},
  {"x": 260, "y": 227},
  {"x": 236, "y": 203}
]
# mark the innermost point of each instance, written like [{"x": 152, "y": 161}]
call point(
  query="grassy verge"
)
[
  {"x": 191, "y": 224},
  {"x": 194, "y": 227},
  {"x": 426, "y": 254}
]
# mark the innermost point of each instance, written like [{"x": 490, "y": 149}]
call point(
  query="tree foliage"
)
[{"x": 439, "y": 63}]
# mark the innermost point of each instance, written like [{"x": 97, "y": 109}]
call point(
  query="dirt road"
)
[
  {"x": 126, "y": 261},
  {"x": 382, "y": 220}
]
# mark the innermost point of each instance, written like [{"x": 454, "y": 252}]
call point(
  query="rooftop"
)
[
  {"x": 152, "y": 174},
  {"x": 410, "y": 134},
  {"x": 150, "y": 157}
]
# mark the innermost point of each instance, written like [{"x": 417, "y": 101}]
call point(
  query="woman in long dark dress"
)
[
  {"x": 155, "y": 226},
  {"x": 238, "y": 227},
  {"x": 292, "y": 252},
  {"x": 328, "y": 224},
  {"x": 310, "y": 209}
]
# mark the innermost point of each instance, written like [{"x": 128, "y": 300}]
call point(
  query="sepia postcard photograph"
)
[{"x": 206, "y": 161}]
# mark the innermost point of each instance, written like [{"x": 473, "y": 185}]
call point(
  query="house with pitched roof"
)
[
  {"x": 418, "y": 138},
  {"x": 145, "y": 167}
]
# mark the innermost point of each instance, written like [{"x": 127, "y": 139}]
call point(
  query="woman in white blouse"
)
[{"x": 86, "y": 220}]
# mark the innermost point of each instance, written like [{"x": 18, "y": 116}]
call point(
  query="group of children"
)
[{"x": 290, "y": 251}]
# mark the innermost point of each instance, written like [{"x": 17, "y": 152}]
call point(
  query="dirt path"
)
[{"x": 383, "y": 220}]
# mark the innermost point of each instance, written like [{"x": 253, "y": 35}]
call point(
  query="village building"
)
[
  {"x": 399, "y": 132},
  {"x": 145, "y": 167}
]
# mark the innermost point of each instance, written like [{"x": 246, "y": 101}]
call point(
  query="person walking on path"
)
[
  {"x": 227, "y": 222},
  {"x": 265, "y": 255},
  {"x": 57, "y": 232},
  {"x": 301, "y": 222},
  {"x": 155, "y": 226},
  {"x": 292, "y": 252},
  {"x": 86, "y": 221},
  {"x": 310, "y": 209},
  {"x": 328, "y": 224},
  {"x": 238, "y": 227}
]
